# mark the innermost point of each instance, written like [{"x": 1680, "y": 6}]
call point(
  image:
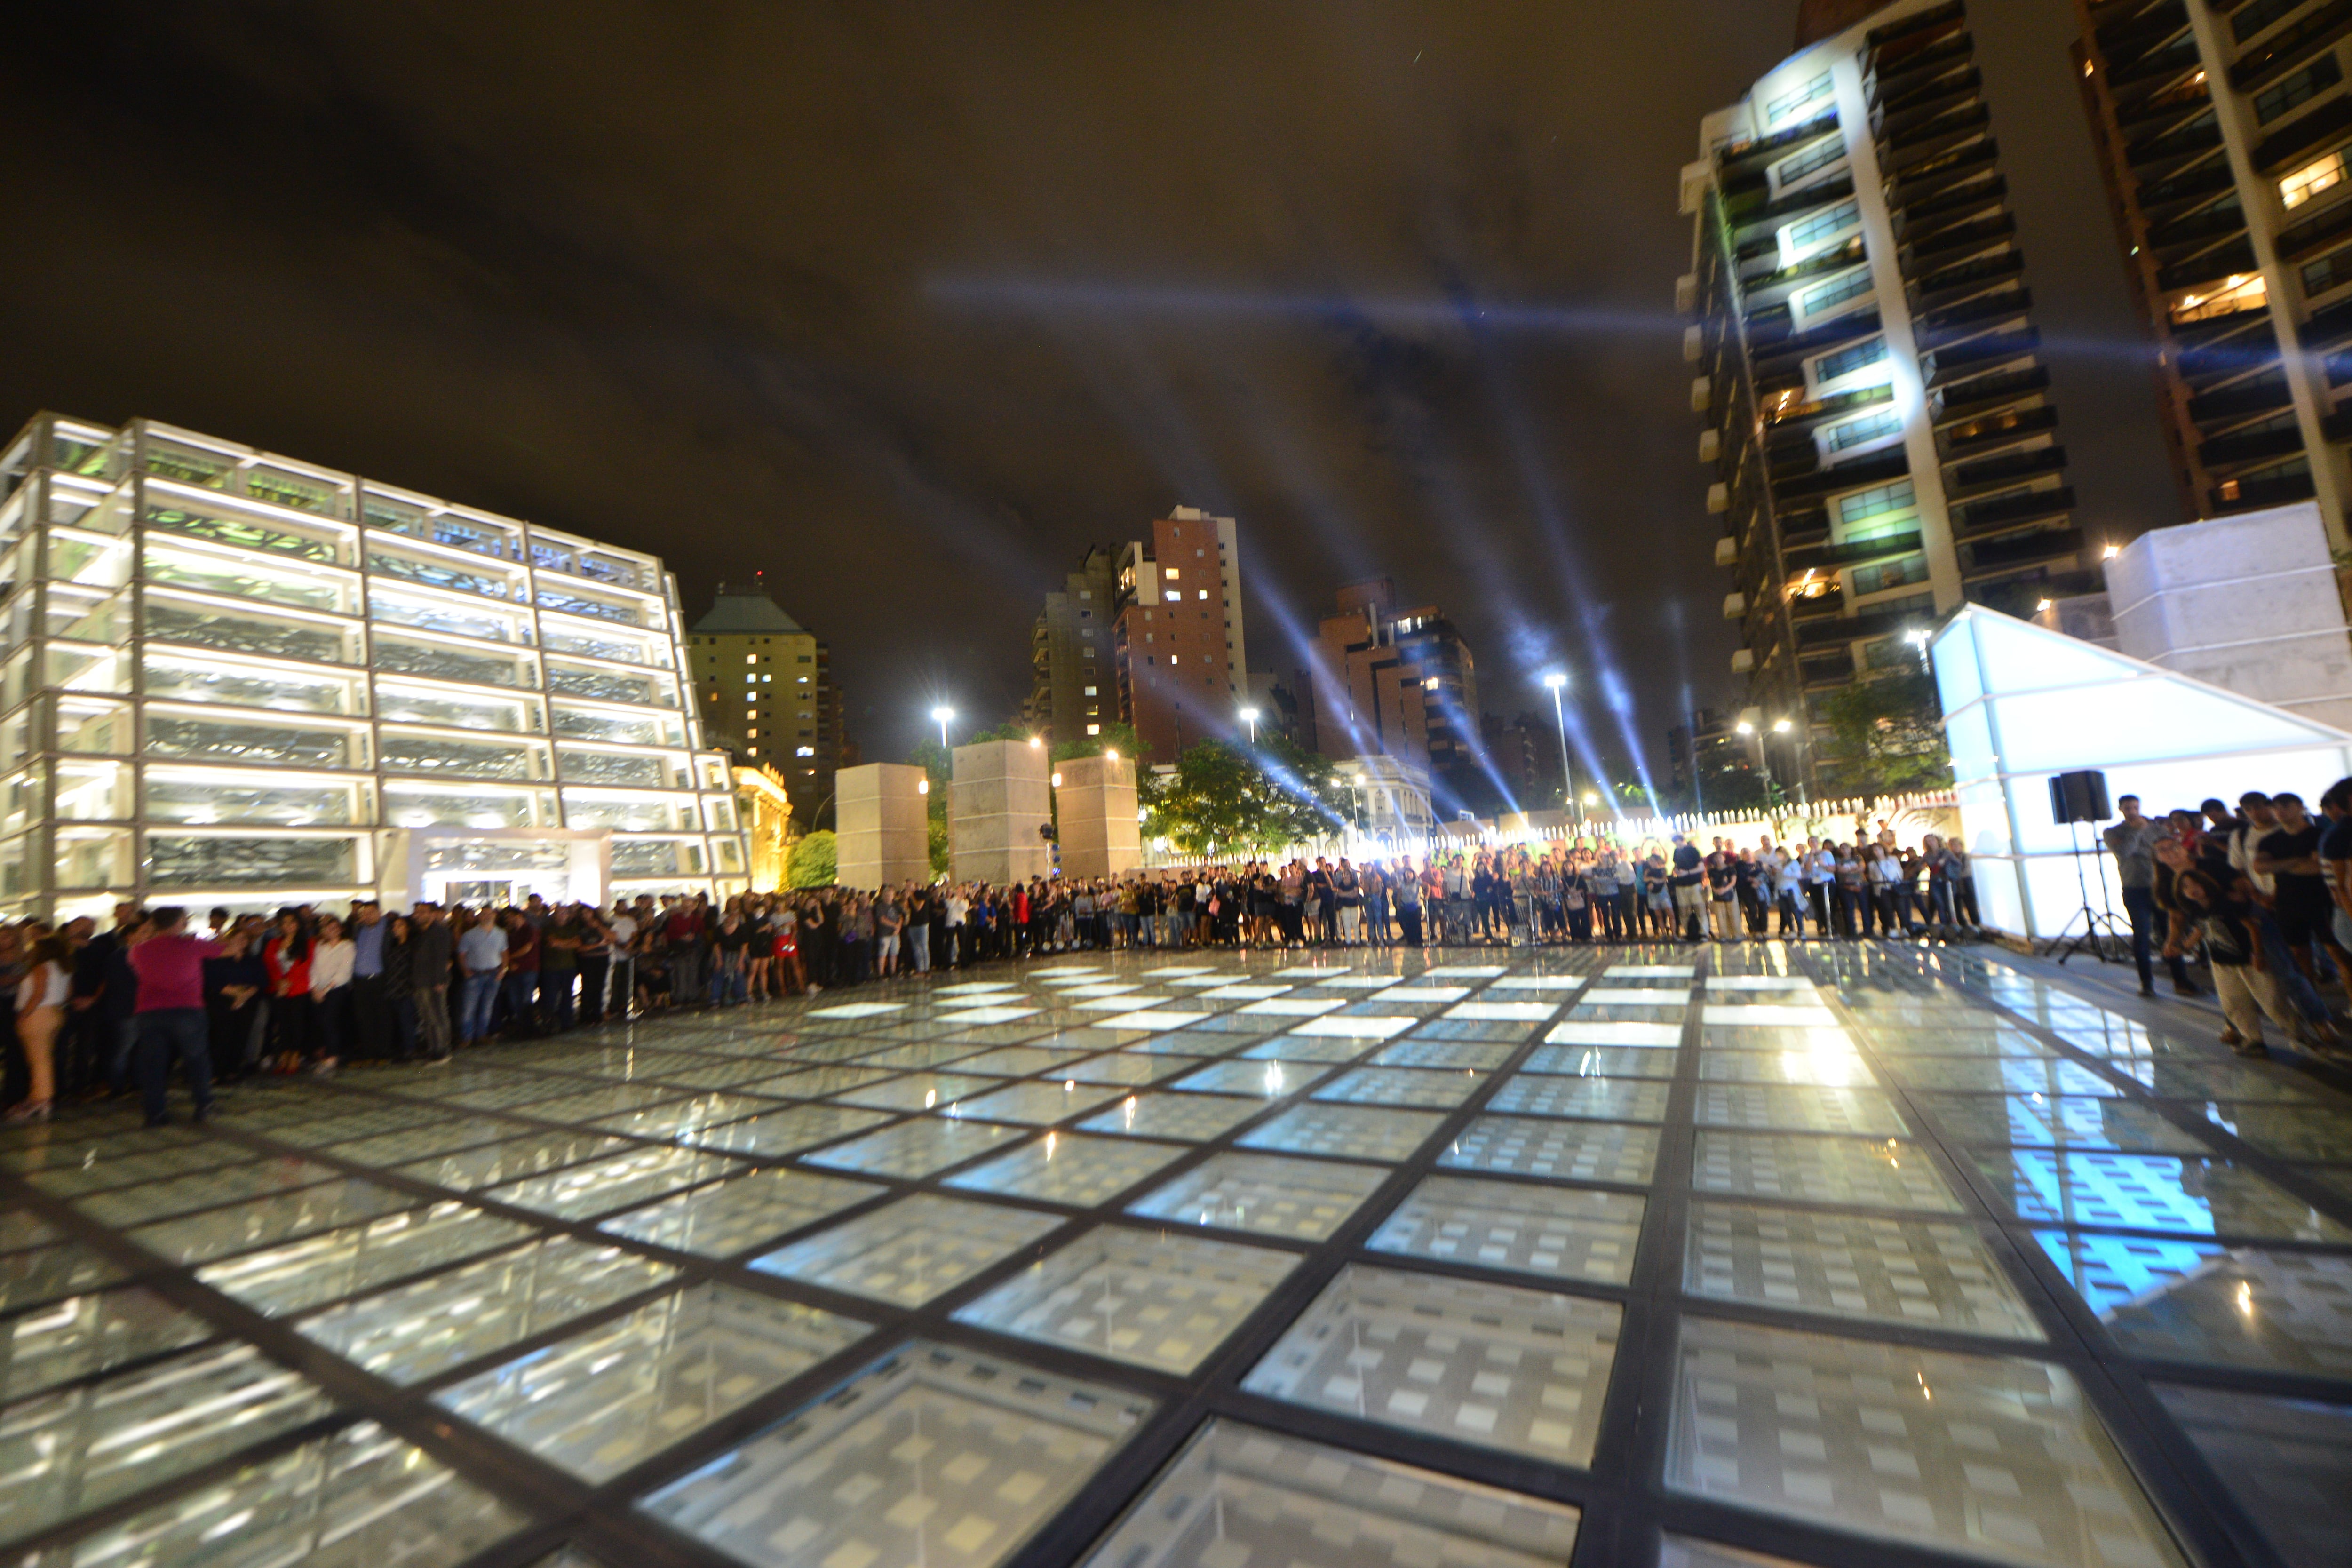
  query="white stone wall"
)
[{"x": 2248, "y": 602}]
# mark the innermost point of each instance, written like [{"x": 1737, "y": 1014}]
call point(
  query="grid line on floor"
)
[{"x": 1383, "y": 1257}]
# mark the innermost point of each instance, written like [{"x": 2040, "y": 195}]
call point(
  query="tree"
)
[
  {"x": 1114, "y": 737},
  {"x": 1886, "y": 738},
  {"x": 1011, "y": 730},
  {"x": 815, "y": 861},
  {"x": 1225, "y": 799}
]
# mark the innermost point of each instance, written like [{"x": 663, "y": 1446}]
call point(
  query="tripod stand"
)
[{"x": 2099, "y": 927}]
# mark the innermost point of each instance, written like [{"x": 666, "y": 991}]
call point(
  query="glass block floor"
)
[{"x": 1618, "y": 1256}]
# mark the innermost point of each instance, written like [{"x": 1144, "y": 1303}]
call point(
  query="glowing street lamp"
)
[
  {"x": 1557, "y": 681},
  {"x": 1764, "y": 758},
  {"x": 1249, "y": 717},
  {"x": 942, "y": 714}
]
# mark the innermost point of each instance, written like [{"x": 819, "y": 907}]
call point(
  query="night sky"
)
[{"x": 907, "y": 305}]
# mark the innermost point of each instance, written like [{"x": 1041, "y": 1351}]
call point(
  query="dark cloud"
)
[{"x": 907, "y": 304}]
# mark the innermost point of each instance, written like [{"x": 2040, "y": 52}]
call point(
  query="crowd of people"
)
[{"x": 2264, "y": 894}]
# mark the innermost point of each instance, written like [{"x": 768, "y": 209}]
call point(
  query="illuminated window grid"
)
[{"x": 235, "y": 667}]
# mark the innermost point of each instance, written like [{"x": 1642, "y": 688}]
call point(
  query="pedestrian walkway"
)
[{"x": 1831, "y": 1253}]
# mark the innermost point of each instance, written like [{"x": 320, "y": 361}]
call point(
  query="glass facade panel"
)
[
  {"x": 205, "y": 636},
  {"x": 276, "y": 860}
]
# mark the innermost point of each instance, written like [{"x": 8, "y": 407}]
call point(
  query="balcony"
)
[
  {"x": 1938, "y": 124},
  {"x": 2298, "y": 137},
  {"x": 1988, "y": 473},
  {"x": 2328, "y": 323},
  {"x": 1924, "y": 182},
  {"x": 1812, "y": 634},
  {"x": 1897, "y": 80},
  {"x": 2221, "y": 219},
  {"x": 2234, "y": 257},
  {"x": 1995, "y": 430},
  {"x": 2290, "y": 47},
  {"x": 2155, "y": 64},
  {"x": 2049, "y": 545},
  {"x": 2257, "y": 396},
  {"x": 2253, "y": 495},
  {"x": 2149, "y": 154},
  {"x": 1825, "y": 555},
  {"x": 2006, "y": 513},
  {"x": 1889, "y": 464},
  {"x": 1952, "y": 363},
  {"x": 1971, "y": 318},
  {"x": 1957, "y": 282},
  {"x": 2203, "y": 180},
  {"x": 2132, "y": 36},
  {"x": 1929, "y": 245},
  {"x": 2249, "y": 446},
  {"x": 2126, "y": 38},
  {"x": 1953, "y": 74},
  {"x": 1966, "y": 399},
  {"x": 2320, "y": 228},
  {"x": 1979, "y": 197}
]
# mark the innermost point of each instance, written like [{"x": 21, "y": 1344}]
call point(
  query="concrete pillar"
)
[
  {"x": 1000, "y": 799},
  {"x": 1100, "y": 837},
  {"x": 883, "y": 826}
]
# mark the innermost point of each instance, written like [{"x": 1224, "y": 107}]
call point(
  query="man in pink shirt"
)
[{"x": 170, "y": 1014}]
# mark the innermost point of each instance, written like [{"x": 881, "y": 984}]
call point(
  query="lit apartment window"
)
[
  {"x": 1811, "y": 235},
  {"x": 1815, "y": 302},
  {"x": 1094, "y": 729},
  {"x": 2238, "y": 292},
  {"x": 1090, "y": 691},
  {"x": 751, "y": 658},
  {"x": 1811, "y": 161},
  {"x": 1848, "y": 362},
  {"x": 2314, "y": 177},
  {"x": 804, "y": 750},
  {"x": 1172, "y": 573},
  {"x": 1788, "y": 103},
  {"x": 1204, "y": 593},
  {"x": 1854, "y": 432}
]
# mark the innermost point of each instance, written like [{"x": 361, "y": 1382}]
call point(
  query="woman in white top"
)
[
  {"x": 40, "y": 1008},
  {"x": 331, "y": 992}
]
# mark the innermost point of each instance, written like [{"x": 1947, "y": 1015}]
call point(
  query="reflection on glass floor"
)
[{"x": 1217, "y": 1263}]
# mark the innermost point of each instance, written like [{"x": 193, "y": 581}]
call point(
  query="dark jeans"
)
[
  {"x": 161, "y": 1032},
  {"x": 2139, "y": 905},
  {"x": 555, "y": 995},
  {"x": 402, "y": 1010},
  {"x": 517, "y": 990},
  {"x": 595, "y": 971},
  {"x": 371, "y": 1018}
]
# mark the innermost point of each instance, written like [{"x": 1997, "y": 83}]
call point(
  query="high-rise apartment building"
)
[
  {"x": 1397, "y": 682},
  {"x": 1878, "y": 425},
  {"x": 1177, "y": 637},
  {"x": 766, "y": 686},
  {"x": 232, "y": 677},
  {"x": 1076, "y": 679},
  {"x": 2225, "y": 128}
]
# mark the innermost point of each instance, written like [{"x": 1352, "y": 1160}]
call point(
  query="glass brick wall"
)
[{"x": 230, "y": 678}]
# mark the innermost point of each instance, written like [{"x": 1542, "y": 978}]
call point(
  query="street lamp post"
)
[
  {"x": 1249, "y": 717},
  {"x": 1555, "y": 680},
  {"x": 943, "y": 713},
  {"x": 1764, "y": 757}
]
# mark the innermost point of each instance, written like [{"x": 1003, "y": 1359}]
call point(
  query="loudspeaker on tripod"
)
[{"x": 2079, "y": 796}]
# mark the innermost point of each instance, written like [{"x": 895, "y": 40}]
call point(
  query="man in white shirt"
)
[{"x": 623, "y": 976}]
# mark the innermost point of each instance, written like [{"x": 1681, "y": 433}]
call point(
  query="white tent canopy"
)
[{"x": 2022, "y": 703}]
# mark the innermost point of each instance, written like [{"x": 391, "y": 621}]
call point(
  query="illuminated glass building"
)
[
  {"x": 2223, "y": 131},
  {"x": 1878, "y": 425},
  {"x": 235, "y": 678}
]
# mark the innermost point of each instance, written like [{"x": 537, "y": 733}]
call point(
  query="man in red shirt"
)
[{"x": 170, "y": 1014}]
